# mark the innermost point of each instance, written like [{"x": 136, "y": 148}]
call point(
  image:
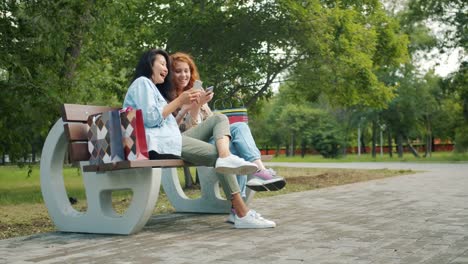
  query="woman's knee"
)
[
  {"x": 220, "y": 117},
  {"x": 239, "y": 126}
]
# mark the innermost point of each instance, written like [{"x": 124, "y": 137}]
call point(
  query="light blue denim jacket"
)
[{"x": 162, "y": 134}]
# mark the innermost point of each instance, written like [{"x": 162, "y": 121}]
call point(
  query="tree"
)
[
  {"x": 345, "y": 44},
  {"x": 54, "y": 52}
]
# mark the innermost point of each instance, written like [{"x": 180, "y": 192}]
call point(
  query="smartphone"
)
[
  {"x": 209, "y": 89},
  {"x": 197, "y": 85}
]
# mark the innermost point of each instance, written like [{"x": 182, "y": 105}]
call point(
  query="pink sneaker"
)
[{"x": 266, "y": 180}]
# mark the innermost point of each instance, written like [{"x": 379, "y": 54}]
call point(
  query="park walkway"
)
[{"x": 417, "y": 218}]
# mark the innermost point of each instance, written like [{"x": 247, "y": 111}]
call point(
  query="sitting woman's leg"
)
[
  {"x": 202, "y": 153},
  {"x": 243, "y": 145},
  {"x": 217, "y": 126}
]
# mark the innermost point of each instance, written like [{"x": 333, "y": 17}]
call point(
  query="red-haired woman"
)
[{"x": 185, "y": 73}]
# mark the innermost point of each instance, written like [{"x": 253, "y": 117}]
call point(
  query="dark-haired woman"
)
[{"x": 152, "y": 92}]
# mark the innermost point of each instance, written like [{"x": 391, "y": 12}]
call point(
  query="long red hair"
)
[{"x": 194, "y": 75}]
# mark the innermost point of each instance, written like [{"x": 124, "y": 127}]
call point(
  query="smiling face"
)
[
  {"x": 181, "y": 72},
  {"x": 159, "y": 69},
  {"x": 184, "y": 72}
]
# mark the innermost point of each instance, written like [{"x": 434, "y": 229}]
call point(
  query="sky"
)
[{"x": 443, "y": 64}]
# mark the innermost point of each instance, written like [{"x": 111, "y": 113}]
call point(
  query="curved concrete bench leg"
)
[
  {"x": 210, "y": 200},
  {"x": 100, "y": 216}
]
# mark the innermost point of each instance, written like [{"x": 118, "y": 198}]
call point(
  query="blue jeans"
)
[{"x": 243, "y": 145}]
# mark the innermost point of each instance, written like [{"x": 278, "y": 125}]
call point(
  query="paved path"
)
[{"x": 418, "y": 218}]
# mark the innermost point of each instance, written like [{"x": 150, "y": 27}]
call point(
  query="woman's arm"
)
[{"x": 144, "y": 95}]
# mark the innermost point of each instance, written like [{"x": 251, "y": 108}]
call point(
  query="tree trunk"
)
[
  {"x": 412, "y": 149},
  {"x": 33, "y": 154},
  {"x": 277, "y": 149},
  {"x": 303, "y": 148},
  {"x": 428, "y": 146},
  {"x": 374, "y": 138},
  {"x": 291, "y": 145},
  {"x": 188, "y": 178},
  {"x": 428, "y": 140},
  {"x": 294, "y": 145},
  {"x": 399, "y": 142},
  {"x": 76, "y": 40},
  {"x": 465, "y": 108},
  {"x": 363, "y": 144},
  {"x": 390, "y": 144}
]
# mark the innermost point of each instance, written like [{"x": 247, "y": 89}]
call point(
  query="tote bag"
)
[
  {"x": 105, "y": 138},
  {"x": 133, "y": 134}
]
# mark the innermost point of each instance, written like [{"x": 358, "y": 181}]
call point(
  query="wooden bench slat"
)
[
  {"x": 80, "y": 113},
  {"x": 78, "y": 151},
  {"x": 76, "y": 131},
  {"x": 126, "y": 164}
]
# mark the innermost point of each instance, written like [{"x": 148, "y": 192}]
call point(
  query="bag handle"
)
[{"x": 223, "y": 101}]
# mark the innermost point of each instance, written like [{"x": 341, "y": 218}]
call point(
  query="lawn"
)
[{"x": 443, "y": 157}]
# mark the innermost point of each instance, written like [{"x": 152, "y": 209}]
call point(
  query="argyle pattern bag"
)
[
  {"x": 105, "y": 138},
  {"x": 133, "y": 132}
]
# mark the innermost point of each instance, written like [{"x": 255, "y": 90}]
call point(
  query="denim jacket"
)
[{"x": 162, "y": 134}]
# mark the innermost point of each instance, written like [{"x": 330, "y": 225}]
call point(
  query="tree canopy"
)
[{"x": 54, "y": 52}]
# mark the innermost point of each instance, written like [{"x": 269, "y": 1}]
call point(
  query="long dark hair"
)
[{"x": 145, "y": 68}]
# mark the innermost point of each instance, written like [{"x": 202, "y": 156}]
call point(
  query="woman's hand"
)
[
  {"x": 190, "y": 96},
  {"x": 206, "y": 97}
]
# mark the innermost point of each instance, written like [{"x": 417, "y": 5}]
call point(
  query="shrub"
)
[
  {"x": 327, "y": 138},
  {"x": 461, "y": 139}
]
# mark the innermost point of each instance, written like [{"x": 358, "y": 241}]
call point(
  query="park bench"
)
[{"x": 143, "y": 177}]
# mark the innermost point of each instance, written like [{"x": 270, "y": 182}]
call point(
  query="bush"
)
[
  {"x": 327, "y": 139},
  {"x": 461, "y": 139}
]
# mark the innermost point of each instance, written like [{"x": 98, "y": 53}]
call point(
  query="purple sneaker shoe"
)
[{"x": 266, "y": 180}]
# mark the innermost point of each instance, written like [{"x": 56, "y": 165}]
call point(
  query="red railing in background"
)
[{"x": 353, "y": 150}]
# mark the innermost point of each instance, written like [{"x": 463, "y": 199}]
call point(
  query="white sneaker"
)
[
  {"x": 231, "y": 218},
  {"x": 252, "y": 220},
  {"x": 234, "y": 165}
]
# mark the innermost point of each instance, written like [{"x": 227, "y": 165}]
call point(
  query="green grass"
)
[
  {"x": 443, "y": 157},
  {"x": 16, "y": 187},
  {"x": 22, "y": 210}
]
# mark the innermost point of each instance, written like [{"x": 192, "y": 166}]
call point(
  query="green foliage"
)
[
  {"x": 451, "y": 13},
  {"x": 327, "y": 138},
  {"x": 461, "y": 139},
  {"x": 345, "y": 44}
]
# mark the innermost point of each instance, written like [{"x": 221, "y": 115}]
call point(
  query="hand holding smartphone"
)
[{"x": 209, "y": 89}]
